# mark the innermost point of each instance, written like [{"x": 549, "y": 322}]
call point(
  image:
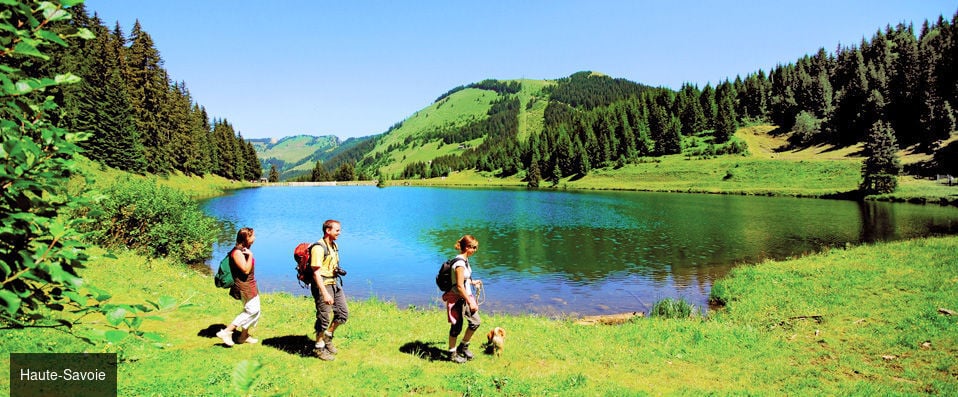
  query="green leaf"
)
[
  {"x": 25, "y": 48},
  {"x": 154, "y": 337},
  {"x": 85, "y": 34},
  {"x": 9, "y": 302},
  {"x": 68, "y": 78},
  {"x": 48, "y": 35},
  {"x": 244, "y": 375},
  {"x": 116, "y": 315},
  {"x": 114, "y": 336},
  {"x": 167, "y": 302}
]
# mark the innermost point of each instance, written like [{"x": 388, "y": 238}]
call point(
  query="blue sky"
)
[{"x": 354, "y": 68}]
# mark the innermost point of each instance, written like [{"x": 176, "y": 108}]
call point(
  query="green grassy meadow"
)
[{"x": 861, "y": 321}]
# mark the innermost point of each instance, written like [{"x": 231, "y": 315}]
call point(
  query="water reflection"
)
[{"x": 555, "y": 252}]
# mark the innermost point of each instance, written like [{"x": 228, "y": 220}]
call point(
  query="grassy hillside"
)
[
  {"x": 294, "y": 154},
  {"x": 416, "y": 139},
  {"x": 769, "y": 167}
]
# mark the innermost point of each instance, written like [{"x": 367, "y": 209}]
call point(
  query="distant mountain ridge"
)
[{"x": 295, "y": 154}]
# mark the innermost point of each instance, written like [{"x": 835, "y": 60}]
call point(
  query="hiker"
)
[
  {"x": 327, "y": 294},
  {"x": 461, "y": 302},
  {"x": 243, "y": 267}
]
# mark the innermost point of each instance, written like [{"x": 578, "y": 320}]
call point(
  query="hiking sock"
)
[{"x": 328, "y": 340}]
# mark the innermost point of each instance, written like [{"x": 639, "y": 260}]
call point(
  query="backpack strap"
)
[
  {"x": 452, "y": 269},
  {"x": 324, "y": 265}
]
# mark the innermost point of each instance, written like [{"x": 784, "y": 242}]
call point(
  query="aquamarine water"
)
[{"x": 553, "y": 252}]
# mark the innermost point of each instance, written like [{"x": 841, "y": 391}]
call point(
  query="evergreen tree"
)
[
  {"x": 320, "y": 174},
  {"x": 534, "y": 175},
  {"x": 848, "y": 120},
  {"x": 881, "y": 167},
  {"x": 709, "y": 108},
  {"x": 200, "y": 131},
  {"x": 904, "y": 86},
  {"x": 689, "y": 109},
  {"x": 273, "y": 173},
  {"x": 937, "y": 123},
  {"x": 104, "y": 109},
  {"x": 672, "y": 139},
  {"x": 252, "y": 171},
  {"x": 148, "y": 86},
  {"x": 725, "y": 118},
  {"x": 347, "y": 172}
]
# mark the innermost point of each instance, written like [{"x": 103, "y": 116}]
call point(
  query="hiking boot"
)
[
  {"x": 226, "y": 336},
  {"x": 455, "y": 357},
  {"x": 324, "y": 354},
  {"x": 463, "y": 350},
  {"x": 328, "y": 339}
]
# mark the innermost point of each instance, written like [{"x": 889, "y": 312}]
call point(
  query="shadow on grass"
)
[
  {"x": 210, "y": 332},
  {"x": 426, "y": 351},
  {"x": 299, "y": 345}
]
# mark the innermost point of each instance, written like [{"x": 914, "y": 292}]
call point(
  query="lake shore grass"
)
[{"x": 857, "y": 321}]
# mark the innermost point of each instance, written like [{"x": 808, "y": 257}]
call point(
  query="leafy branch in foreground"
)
[{"x": 41, "y": 246}]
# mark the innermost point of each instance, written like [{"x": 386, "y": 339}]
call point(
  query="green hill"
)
[{"x": 294, "y": 154}]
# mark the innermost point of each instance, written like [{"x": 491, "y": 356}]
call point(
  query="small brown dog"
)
[{"x": 497, "y": 340}]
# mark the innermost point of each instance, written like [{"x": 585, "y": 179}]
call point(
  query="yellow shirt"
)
[{"x": 318, "y": 258}]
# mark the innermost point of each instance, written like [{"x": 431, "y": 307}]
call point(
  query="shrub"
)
[{"x": 155, "y": 220}]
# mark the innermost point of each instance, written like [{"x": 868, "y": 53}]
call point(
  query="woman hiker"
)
[
  {"x": 461, "y": 302},
  {"x": 243, "y": 267}
]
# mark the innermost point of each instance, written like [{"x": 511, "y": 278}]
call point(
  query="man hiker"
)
[{"x": 330, "y": 299}]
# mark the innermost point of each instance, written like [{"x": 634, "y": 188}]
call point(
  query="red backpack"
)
[{"x": 304, "y": 272}]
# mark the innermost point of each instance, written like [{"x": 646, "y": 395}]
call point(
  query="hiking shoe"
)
[
  {"x": 463, "y": 350},
  {"x": 324, "y": 354},
  {"x": 455, "y": 357},
  {"x": 226, "y": 336},
  {"x": 328, "y": 339}
]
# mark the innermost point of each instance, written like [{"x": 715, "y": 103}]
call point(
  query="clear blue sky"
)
[{"x": 354, "y": 68}]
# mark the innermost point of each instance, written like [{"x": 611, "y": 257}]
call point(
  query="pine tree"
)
[
  {"x": 274, "y": 173},
  {"x": 882, "y": 166},
  {"x": 104, "y": 108},
  {"x": 534, "y": 175},
  {"x": 709, "y": 108},
  {"x": 725, "y": 117},
  {"x": 148, "y": 85}
]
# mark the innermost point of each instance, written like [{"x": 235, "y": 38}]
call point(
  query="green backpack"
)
[{"x": 224, "y": 276}]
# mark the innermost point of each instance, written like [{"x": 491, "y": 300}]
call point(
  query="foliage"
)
[
  {"x": 672, "y": 308},
  {"x": 41, "y": 247},
  {"x": 158, "y": 221},
  {"x": 882, "y": 166},
  {"x": 805, "y": 128}
]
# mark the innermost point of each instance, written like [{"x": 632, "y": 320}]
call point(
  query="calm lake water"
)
[{"x": 552, "y": 252}]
